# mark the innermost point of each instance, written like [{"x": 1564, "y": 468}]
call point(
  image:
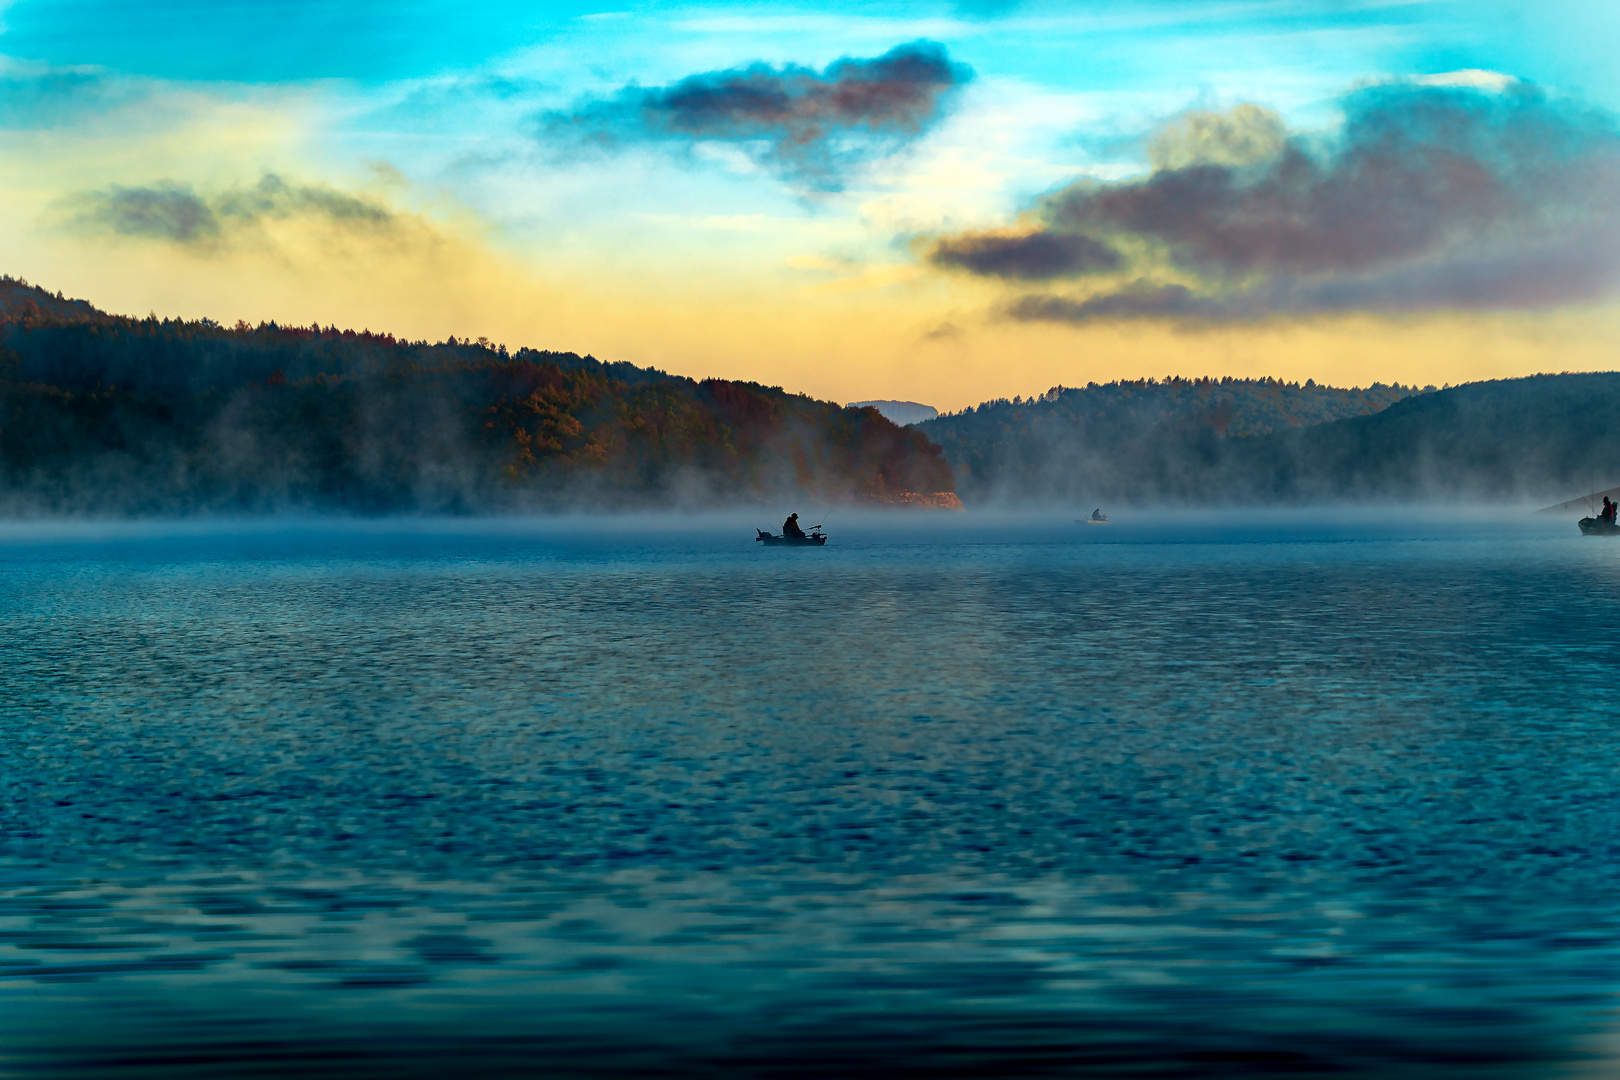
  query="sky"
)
[{"x": 939, "y": 202}]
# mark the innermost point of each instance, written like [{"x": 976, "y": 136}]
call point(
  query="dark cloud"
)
[
  {"x": 1430, "y": 197},
  {"x": 1035, "y": 257},
  {"x": 1415, "y": 169},
  {"x": 1138, "y": 300},
  {"x": 809, "y": 124},
  {"x": 273, "y": 197},
  {"x": 164, "y": 212},
  {"x": 1526, "y": 278},
  {"x": 175, "y": 213}
]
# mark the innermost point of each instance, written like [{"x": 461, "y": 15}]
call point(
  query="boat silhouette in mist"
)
[{"x": 816, "y": 538}]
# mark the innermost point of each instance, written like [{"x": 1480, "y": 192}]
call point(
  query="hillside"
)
[
  {"x": 1127, "y": 439},
  {"x": 105, "y": 414},
  {"x": 1540, "y": 439}
]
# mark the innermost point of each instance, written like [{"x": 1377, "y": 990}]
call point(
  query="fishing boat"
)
[
  {"x": 815, "y": 539},
  {"x": 1598, "y": 527}
]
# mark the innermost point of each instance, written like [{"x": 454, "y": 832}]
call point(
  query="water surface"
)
[{"x": 1187, "y": 796}]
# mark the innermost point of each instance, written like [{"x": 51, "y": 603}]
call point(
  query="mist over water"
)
[{"x": 1183, "y": 795}]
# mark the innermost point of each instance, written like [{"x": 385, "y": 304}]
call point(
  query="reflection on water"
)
[{"x": 1011, "y": 798}]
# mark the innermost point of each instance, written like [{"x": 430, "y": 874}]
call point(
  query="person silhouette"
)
[
  {"x": 790, "y": 527},
  {"x": 1608, "y": 512}
]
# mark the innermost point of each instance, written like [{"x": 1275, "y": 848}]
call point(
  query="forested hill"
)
[
  {"x": 1127, "y": 439},
  {"x": 1537, "y": 439},
  {"x": 106, "y": 414}
]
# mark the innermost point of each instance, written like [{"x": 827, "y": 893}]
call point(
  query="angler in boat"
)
[
  {"x": 1604, "y": 524},
  {"x": 792, "y": 534}
]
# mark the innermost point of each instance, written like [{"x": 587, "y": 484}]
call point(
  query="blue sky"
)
[{"x": 538, "y": 173}]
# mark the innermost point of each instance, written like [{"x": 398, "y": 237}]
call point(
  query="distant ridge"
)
[
  {"x": 1127, "y": 439},
  {"x": 901, "y": 412},
  {"x": 1206, "y": 441}
]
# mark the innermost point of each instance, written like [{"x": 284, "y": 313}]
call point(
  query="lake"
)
[{"x": 968, "y": 795}]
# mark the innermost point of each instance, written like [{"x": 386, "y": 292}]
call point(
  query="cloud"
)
[
  {"x": 273, "y": 197},
  {"x": 1036, "y": 256},
  {"x": 1477, "y": 78},
  {"x": 174, "y": 213},
  {"x": 1528, "y": 278},
  {"x": 803, "y": 124},
  {"x": 1472, "y": 194},
  {"x": 1140, "y": 299},
  {"x": 166, "y": 211},
  {"x": 1245, "y": 136}
]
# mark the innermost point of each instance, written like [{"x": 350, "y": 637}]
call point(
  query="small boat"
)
[
  {"x": 1598, "y": 527},
  {"x": 816, "y": 538}
]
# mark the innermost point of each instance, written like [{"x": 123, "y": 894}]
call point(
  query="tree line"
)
[
  {"x": 1214, "y": 441},
  {"x": 104, "y": 413}
]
